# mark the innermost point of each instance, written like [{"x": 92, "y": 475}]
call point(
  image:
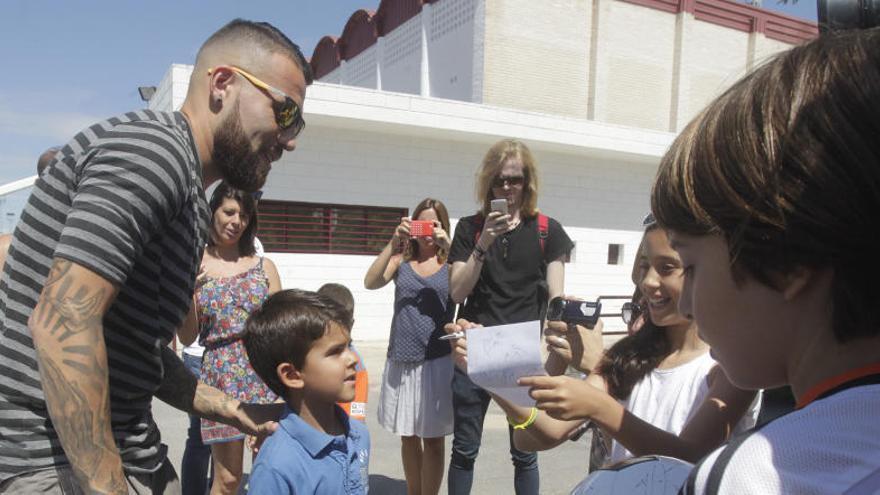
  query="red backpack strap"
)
[
  {"x": 478, "y": 226},
  {"x": 543, "y": 229}
]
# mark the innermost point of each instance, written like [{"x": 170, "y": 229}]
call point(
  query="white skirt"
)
[{"x": 416, "y": 398}]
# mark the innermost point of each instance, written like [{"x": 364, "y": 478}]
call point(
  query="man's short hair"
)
[
  {"x": 343, "y": 297},
  {"x": 285, "y": 328},
  {"x": 260, "y": 35},
  {"x": 46, "y": 158}
]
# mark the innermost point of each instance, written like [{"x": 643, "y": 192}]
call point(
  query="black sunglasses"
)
[
  {"x": 257, "y": 195},
  {"x": 516, "y": 180},
  {"x": 287, "y": 113},
  {"x": 630, "y": 311}
]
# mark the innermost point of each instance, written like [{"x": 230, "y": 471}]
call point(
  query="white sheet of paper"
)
[{"x": 499, "y": 355}]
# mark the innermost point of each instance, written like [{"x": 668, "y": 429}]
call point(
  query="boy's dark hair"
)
[
  {"x": 785, "y": 167},
  {"x": 262, "y": 35},
  {"x": 284, "y": 329},
  {"x": 248, "y": 207},
  {"x": 343, "y": 297}
]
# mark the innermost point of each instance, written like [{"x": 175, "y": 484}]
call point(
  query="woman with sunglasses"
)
[
  {"x": 507, "y": 263},
  {"x": 232, "y": 283},
  {"x": 657, "y": 391}
]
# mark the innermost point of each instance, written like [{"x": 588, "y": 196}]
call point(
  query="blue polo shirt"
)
[{"x": 299, "y": 459}]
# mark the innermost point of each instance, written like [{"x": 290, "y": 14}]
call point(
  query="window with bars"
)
[{"x": 297, "y": 227}]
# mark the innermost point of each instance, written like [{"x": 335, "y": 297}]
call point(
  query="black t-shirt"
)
[{"x": 513, "y": 281}]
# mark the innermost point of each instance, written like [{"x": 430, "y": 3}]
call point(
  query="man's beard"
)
[{"x": 238, "y": 165}]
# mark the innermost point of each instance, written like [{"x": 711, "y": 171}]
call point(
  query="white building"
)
[{"x": 410, "y": 97}]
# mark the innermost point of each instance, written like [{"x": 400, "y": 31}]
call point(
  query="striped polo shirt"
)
[{"x": 124, "y": 198}]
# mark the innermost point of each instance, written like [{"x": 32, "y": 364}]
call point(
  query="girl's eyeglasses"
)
[{"x": 630, "y": 311}]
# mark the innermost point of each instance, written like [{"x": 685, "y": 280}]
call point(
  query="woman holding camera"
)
[{"x": 415, "y": 400}]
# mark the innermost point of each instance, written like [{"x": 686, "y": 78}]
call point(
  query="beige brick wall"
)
[
  {"x": 712, "y": 58},
  {"x": 766, "y": 48},
  {"x": 635, "y": 56},
  {"x": 536, "y": 55}
]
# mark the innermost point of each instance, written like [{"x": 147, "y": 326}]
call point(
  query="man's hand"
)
[
  {"x": 495, "y": 225},
  {"x": 181, "y": 389},
  {"x": 563, "y": 397},
  {"x": 259, "y": 420}
]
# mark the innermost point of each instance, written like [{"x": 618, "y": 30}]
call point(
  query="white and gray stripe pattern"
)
[{"x": 123, "y": 198}]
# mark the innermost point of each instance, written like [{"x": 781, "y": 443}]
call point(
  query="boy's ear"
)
[
  {"x": 290, "y": 376},
  {"x": 793, "y": 283}
]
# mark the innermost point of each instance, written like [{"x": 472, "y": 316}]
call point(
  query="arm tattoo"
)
[
  {"x": 181, "y": 389},
  {"x": 69, "y": 339}
]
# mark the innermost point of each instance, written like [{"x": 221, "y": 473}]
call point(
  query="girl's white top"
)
[{"x": 667, "y": 398}]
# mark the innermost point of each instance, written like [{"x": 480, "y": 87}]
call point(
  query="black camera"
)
[
  {"x": 837, "y": 15},
  {"x": 584, "y": 313}
]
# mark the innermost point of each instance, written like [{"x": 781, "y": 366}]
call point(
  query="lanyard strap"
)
[{"x": 865, "y": 375}]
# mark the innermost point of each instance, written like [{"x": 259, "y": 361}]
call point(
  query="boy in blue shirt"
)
[{"x": 299, "y": 345}]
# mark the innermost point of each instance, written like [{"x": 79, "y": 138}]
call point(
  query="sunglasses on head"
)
[
  {"x": 288, "y": 114},
  {"x": 630, "y": 311},
  {"x": 516, "y": 180},
  {"x": 649, "y": 220},
  {"x": 257, "y": 195}
]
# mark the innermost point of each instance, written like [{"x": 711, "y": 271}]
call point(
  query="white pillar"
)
[
  {"x": 425, "y": 66},
  {"x": 380, "y": 56}
]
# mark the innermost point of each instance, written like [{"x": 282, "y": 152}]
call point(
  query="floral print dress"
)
[{"x": 223, "y": 305}]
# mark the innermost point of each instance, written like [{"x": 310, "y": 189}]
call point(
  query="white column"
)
[
  {"x": 380, "y": 56},
  {"x": 425, "y": 66}
]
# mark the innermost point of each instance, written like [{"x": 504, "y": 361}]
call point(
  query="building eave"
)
[{"x": 332, "y": 105}]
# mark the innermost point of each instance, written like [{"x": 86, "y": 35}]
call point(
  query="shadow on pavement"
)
[{"x": 386, "y": 486}]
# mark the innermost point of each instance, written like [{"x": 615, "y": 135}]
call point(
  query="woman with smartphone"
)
[
  {"x": 415, "y": 400},
  {"x": 507, "y": 263}
]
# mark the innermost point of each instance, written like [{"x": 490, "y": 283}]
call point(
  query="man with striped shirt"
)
[{"x": 102, "y": 265}]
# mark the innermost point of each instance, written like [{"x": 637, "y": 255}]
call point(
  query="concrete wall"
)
[
  {"x": 450, "y": 35},
  {"x": 635, "y": 64},
  {"x": 402, "y": 57}
]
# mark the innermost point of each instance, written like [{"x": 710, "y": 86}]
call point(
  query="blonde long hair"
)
[{"x": 495, "y": 158}]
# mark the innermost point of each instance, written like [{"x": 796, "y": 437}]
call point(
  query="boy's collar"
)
[{"x": 312, "y": 440}]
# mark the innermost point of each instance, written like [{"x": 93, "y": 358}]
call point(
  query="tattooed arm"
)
[
  {"x": 68, "y": 336},
  {"x": 181, "y": 389}
]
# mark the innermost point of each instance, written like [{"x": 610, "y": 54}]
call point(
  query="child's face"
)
[
  {"x": 661, "y": 279},
  {"x": 329, "y": 369},
  {"x": 744, "y": 325}
]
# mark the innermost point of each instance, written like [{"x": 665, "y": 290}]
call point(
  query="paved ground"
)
[{"x": 560, "y": 468}]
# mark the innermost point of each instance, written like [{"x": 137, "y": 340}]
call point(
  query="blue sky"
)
[{"x": 68, "y": 64}]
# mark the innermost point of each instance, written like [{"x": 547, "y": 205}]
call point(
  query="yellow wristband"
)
[{"x": 533, "y": 415}]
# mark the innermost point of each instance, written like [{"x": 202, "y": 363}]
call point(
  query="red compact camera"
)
[{"x": 421, "y": 228}]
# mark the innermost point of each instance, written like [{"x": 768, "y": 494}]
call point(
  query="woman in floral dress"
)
[{"x": 233, "y": 282}]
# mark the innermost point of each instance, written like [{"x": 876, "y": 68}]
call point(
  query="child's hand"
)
[
  {"x": 577, "y": 345},
  {"x": 562, "y": 397}
]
